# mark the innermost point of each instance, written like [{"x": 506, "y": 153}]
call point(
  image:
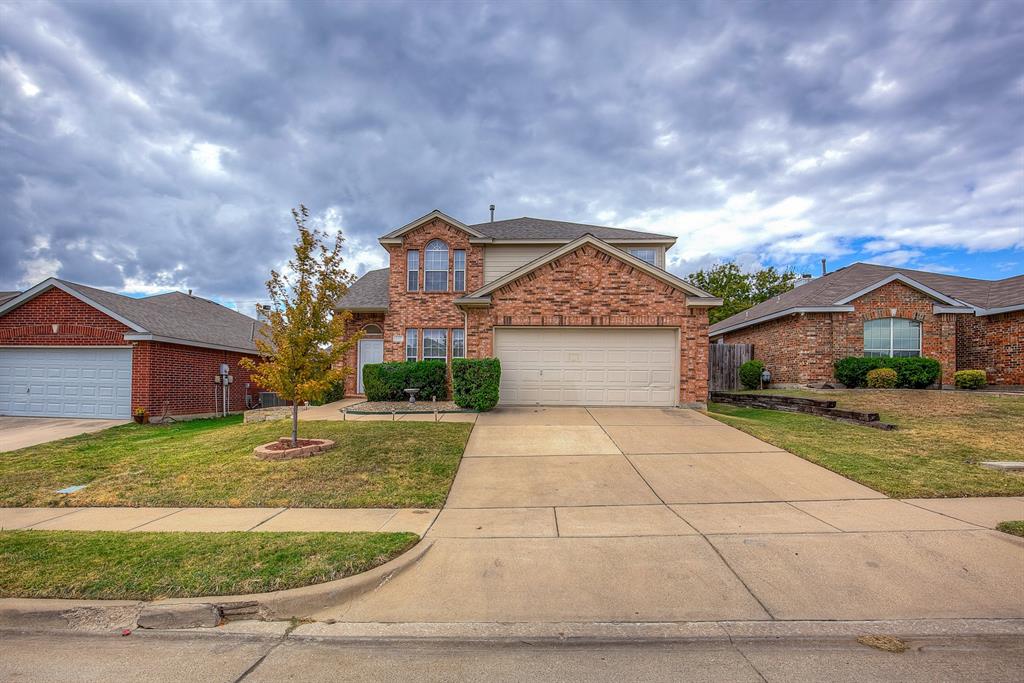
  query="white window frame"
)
[
  {"x": 459, "y": 268},
  {"x": 432, "y": 334},
  {"x": 458, "y": 337},
  {"x": 412, "y": 275},
  {"x": 636, "y": 251},
  {"x": 890, "y": 352},
  {"x": 412, "y": 335},
  {"x": 430, "y": 265}
]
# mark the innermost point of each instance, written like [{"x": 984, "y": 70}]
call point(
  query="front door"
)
[{"x": 370, "y": 351}]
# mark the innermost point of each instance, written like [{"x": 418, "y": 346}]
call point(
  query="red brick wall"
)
[
  {"x": 588, "y": 288},
  {"x": 797, "y": 349},
  {"x": 80, "y": 324},
  {"x": 801, "y": 348},
  {"x": 180, "y": 379},
  {"x": 993, "y": 343}
]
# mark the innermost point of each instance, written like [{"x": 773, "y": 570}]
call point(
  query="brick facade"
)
[
  {"x": 174, "y": 377},
  {"x": 801, "y": 348},
  {"x": 993, "y": 343},
  {"x": 78, "y": 323},
  {"x": 585, "y": 288}
]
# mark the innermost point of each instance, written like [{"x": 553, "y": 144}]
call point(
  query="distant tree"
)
[
  {"x": 738, "y": 290},
  {"x": 303, "y": 342}
]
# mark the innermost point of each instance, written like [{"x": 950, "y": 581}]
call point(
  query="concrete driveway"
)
[
  {"x": 662, "y": 515},
  {"x": 19, "y": 432}
]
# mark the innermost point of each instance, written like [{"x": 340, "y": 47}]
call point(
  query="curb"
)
[{"x": 103, "y": 615}]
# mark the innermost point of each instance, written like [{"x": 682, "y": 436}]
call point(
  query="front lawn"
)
[
  {"x": 941, "y": 437},
  {"x": 116, "y": 565},
  {"x": 211, "y": 463}
]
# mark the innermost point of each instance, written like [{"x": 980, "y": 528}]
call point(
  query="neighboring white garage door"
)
[
  {"x": 78, "y": 382},
  {"x": 587, "y": 366}
]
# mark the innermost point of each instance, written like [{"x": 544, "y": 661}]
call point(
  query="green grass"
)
[
  {"x": 941, "y": 437},
  {"x": 1015, "y": 527},
  {"x": 145, "y": 566},
  {"x": 211, "y": 463}
]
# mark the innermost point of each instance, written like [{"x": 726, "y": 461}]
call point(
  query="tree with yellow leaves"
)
[{"x": 303, "y": 341}]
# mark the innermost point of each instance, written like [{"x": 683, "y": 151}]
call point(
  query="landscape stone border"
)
[{"x": 264, "y": 452}]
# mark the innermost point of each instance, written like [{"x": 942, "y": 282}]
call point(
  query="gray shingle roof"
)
[
  {"x": 368, "y": 292},
  {"x": 178, "y": 316},
  {"x": 526, "y": 228},
  {"x": 834, "y": 287},
  {"x": 6, "y": 296}
]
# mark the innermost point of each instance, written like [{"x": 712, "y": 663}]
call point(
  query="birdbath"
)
[{"x": 412, "y": 394}]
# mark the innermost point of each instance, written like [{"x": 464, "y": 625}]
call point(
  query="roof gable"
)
[
  {"x": 68, "y": 288},
  {"x": 903, "y": 279},
  {"x": 698, "y": 297},
  {"x": 395, "y": 235},
  {"x": 173, "y": 317}
]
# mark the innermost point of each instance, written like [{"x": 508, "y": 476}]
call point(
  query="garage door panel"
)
[
  {"x": 65, "y": 382},
  {"x": 595, "y": 366}
]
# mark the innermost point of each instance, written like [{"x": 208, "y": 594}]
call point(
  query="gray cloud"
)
[{"x": 162, "y": 144}]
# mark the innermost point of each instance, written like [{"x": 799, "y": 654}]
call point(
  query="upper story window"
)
[
  {"x": 412, "y": 270},
  {"x": 895, "y": 337},
  {"x": 647, "y": 254},
  {"x": 435, "y": 267},
  {"x": 459, "y": 271}
]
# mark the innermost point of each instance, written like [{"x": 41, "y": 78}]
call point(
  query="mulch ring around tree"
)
[{"x": 282, "y": 449}]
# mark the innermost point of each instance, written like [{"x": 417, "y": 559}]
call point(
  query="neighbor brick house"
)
[
  {"x": 577, "y": 314},
  {"x": 870, "y": 310},
  {"x": 67, "y": 350}
]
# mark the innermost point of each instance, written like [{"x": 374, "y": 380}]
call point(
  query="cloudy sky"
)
[{"x": 149, "y": 146}]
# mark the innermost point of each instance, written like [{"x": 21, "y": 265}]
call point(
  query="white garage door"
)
[
  {"x": 587, "y": 366},
  {"x": 79, "y": 382}
]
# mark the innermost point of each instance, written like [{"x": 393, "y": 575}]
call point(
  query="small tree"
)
[
  {"x": 303, "y": 341},
  {"x": 739, "y": 290}
]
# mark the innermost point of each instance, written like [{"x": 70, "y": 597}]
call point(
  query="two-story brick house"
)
[{"x": 578, "y": 314}]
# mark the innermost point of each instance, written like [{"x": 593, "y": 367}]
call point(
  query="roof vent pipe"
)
[
  {"x": 823, "y": 271},
  {"x": 492, "y": 213}
]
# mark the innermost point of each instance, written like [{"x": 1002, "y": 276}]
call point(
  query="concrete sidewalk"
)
[{"x": 218, "y": 519}]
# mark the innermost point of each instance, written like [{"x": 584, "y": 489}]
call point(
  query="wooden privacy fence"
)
[{"x": 724, "y": 361}]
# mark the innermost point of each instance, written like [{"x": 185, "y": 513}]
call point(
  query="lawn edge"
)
[{"x": 291, "y": 603}]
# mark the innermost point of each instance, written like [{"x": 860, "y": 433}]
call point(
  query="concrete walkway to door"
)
[{"x": 663, "y": 515}]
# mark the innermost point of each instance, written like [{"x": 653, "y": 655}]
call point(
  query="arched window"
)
[
  {"x": 373, "y": 330},
  {"x": 435, "y": 267},
  {"x": 897, "y": 337}
]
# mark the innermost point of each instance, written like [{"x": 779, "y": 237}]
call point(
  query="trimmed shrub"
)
[
  {"x": 750, "y": 374},
  {"x": 970, "y": 379},
  {"x": 475, "y": 382},
  {"x": 881, "y": 378},
  {"x": 911, "y": 373},
  {"x": 388, "y": 381}
]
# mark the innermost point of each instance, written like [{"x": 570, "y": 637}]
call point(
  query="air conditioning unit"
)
[{"x": 270, "y": 399}]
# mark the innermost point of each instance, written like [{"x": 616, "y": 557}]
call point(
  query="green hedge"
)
[
  {"x": 750, "y": 374},
  {"x": 475, "y": 382},
  {"x": 388, "y": 381},
  {"x": 911, "y": 373},
  {"x": 970, "y": 379}
]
